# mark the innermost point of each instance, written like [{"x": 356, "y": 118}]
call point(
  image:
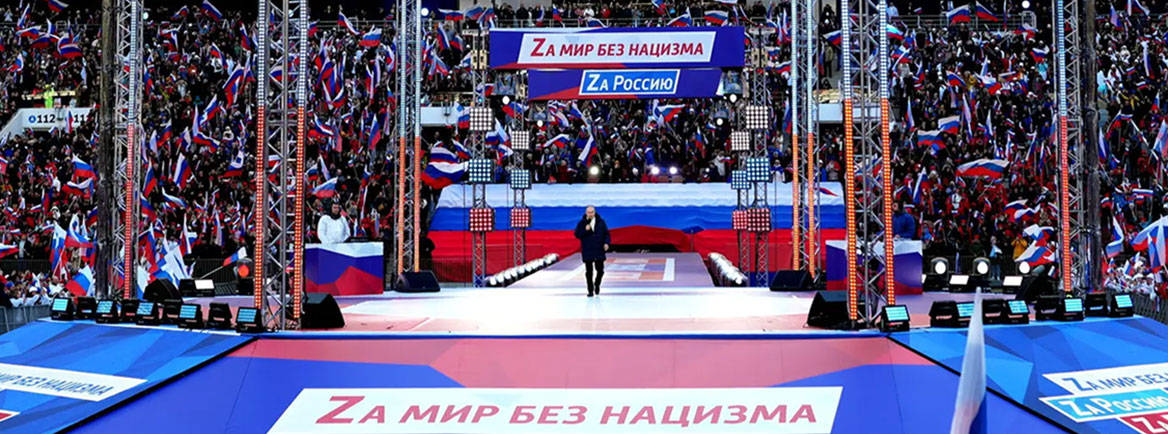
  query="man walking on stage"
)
[{"x": 594, "y": 239}]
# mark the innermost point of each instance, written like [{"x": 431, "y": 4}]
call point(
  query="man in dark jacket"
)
[{"x": 594, "y": 239}]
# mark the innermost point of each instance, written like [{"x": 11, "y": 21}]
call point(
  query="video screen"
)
[
  {"x": 1019, "y": 307},
  {"x": 896, "y": 313},
  {"x": 188, "y": 311},
  {"x": 965, "y": 310},
  {"x": 246, "y": 315}
]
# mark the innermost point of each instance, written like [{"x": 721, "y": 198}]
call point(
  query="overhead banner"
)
[
  {"x": 610, "y": 48},
  {"x": 622, "y": 83}
]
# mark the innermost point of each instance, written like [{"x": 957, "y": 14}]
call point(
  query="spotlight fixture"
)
[
  {"x": 506, "y": 99},
  {"x": 981, "y": 266},
  {"x": 758, "y": 169},
  {"x": 894, "y": 318},
  {"x": 482, "y": 219},
  {"x": 1121, "y": 305},
  {"x": 672, "y": 170},
  {"x": 949, "y": 313},
  {"x": 520, "y": 140},
  {"x": 939, "y": 266},
  {"x": 738, "y": 180},
  {"x": 481, "y": 119},
  {"x": 219, "y": 316},
  {"x": 107, "y": 312},
  {"x": 1097, "y": 304},
  {"x": 129, "y": 310},
  {"x": 719, "y": 121},
  {"x": 425, "y": 12},
  {"x": 756, "y": 117},
  {"x": 520, "y": 218},
  {"x": 520, "y": 179},
  {"x": 595, "y": 170},
  {"x": 654, "y": 170},
  {"x": 1023, "y": 268},
  {"x": 149, "y": 313},
  {"x": 732, "y": 97},
  {"x": 86, "y": 307},
  {"x": 479, "y": 171},
  {"x": 739, "y": 141},
  {"x": 248, "y": 320},
  {"x": 190, "y": 316}
]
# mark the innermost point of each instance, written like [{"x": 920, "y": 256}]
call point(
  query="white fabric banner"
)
[{"x": 630, "y": 195}]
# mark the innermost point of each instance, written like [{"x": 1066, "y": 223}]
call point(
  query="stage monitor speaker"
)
[
  {"x": 421, "y": 281},
  {"x": 1034, "y": 287},
  {"x": 161, "y": 290},
  {"x": 829, "y": 310},
  {"x": 245, "y": 286},
  {"x": 321, "y": 312},
  {"x": 791, "y": 280},
  {"x": 186, "y": 287}
]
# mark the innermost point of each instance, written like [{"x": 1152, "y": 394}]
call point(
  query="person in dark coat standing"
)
[{"x": 594, "y": 240}]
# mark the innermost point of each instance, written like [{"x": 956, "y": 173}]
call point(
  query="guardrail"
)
[
  {"x": 1145, "y": 305},
  {"x": 11, "y": 318}
]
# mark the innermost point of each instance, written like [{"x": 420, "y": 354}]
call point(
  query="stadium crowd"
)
[{"x": 961, "y": 94}]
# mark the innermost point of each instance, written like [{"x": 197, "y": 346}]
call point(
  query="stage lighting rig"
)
[
  {"x": 247, "y": 320},
  {"x": 756, "y": 117},
  {"x": 149, "y": 313},
  {"x": 738, "y": 180},
  {"x": 107, "y": 312},
  {"x": 520, "y": 218},
  {"x": 86, "y": 307},
  {"x": 1097, "y": 304},
  {"x": 654, "y": 170},
  {"x": 1121, "y": 305},
  {"x": 595, "y": 170},
  {"x": 758, "y": 169},
  {"x": 479, "y": 171},
  {"x": 739, "y": 141},
  {"x": 1023, "y": 268},
  {"x": 894, "y": 318},
  {"x": 481, "y": 120},
  {"x": 758, "y": 219},
  {"x": 219, "y": 316},
  {"x": 520, "y": 179},
  {"x": 62, "y": 309},
  {"x": 482, "y": 219},
  {"x": 190, "y": 316},
  {"x": 520, "y": 140}
]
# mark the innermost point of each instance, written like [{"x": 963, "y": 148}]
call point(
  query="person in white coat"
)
[{"x": 333, "y": 227}]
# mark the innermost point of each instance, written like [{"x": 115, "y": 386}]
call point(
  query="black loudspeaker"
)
[
  {"x": 1033, "y": 287},
  {"x": 245, "y": 287},
  {"x": 791, "y": 280},
  {"x": 186, "y": 287},
  {"x": 321, "y": 312},
  {"x": 829, "y": 310},
  {"x": 422, "y": 281},
  {"x": 161, "y": 290}
]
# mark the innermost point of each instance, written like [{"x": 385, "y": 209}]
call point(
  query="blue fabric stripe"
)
[{"x": 687, "y": 219}]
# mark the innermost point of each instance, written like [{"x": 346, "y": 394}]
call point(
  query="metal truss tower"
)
[
  {"x": 760, "y": 96},
  {"x": 1075, "y": 245},
  {"x": 519, "y": 195},
  {"x": 805, "y": 128},
  {"x": 477, "y": 141},
  {"x": 281, "y": 34},
  {"x": 126, "y": 138},
  {"x": 864, "y": 86},
  {"x": 409, "y": 140}
]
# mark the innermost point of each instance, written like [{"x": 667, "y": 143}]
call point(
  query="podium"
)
[{"x": 345, "y": 268}]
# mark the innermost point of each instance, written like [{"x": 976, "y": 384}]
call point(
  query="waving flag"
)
[
  {"x": 970, "y": 408},
  {"x": 442, "y": 170},
  {"x": 450, "y": 15},
  {"x": 1036, "y": 255},
  {"x": 239, "y": 255},
  {"x": 1038, "y": 54},
  {"x": 57, "y": 6},
  {"x": 371, "y": 38},
  {"x": 955, "y": 80},
  {"x": 983, "y": 167},
  {"x": 150, "y": 182},
  {"x": 958, "y": 14},
  {"x": 1138, "y": 7},
  {"x": 834, "y": 38},
  {"x": 894, "y": 33},
  {"x": 717, "y": 18},
  {"x": 326, "y": 189},
  {"x": 951, "y": 125},
  {"x": 81, "y": 169},
  {"x": 668, "y": 112},
  {"x": 7, "y": 250},
  {"x": 344, "y": 22},
  {"x": 1027, "y": 31},
  {"x": 587, "y": 152},
  {"x": 182, "y": 172},
  {"x": 1115, "y": 247},
  {"x": 559, "y": 141},
  {"x": 173, "y": 202},
  {"x": 67, "y": 48},
  {"x": 984, "y": 13},
  {"x": 57, "y": 250},
  {"x": 81, "y": 284},
  {"x": 683, "y": 20},
  {"x": 1039, "y": 234},
  {"x": 212, "y": 11},
  {"x": 931, "y": 139}
]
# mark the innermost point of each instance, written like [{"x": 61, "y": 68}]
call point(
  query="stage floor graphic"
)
[
  {"x": 567, "y": 385},
  {"x": 626, "y": 270}
]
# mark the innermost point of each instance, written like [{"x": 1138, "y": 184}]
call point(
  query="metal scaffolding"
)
[
  {"x": 1075, "y": 245},
  {"x": 409, "y": 139},
  {"x": 126, "y": 114},
  {"x": 805, "y": 126},
  {"x": 864, "y": 42},
  {"x": 281, "y": 30},
  {"x": 477, "y": 146},
  {"x": 759, "y": 94}
]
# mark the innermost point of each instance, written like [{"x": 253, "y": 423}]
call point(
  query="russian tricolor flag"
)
[
  {"x": 895, "y": 33},
  {"x": 1040, "y": 234},
  {"x": 958, "y": 14},
  {"x": 983, "y": 167},
  {"x": 81, "y": 169},
  {"x": 450, "y": 15},
  {"x": 7, "y": 250},
  {"x": 439, "y": 174},
  {"x": 57, "y": 5},
  {"x": 211, "y": 10},
  {"x": 371, "y": 38},
  {"x": 717, "y": 18},
  {"x": 955, "y": 80},
  {"x": 326, "y": 189},
  {"x": 969, "y": 410},
  {"x": 1115, "y": 247},
  {"x": 984, "y": 13},
  {"x": 951, "y": 125},
  {"x": 1036, "y": 255},
  {"x": 182, "y": 172},
  {"x": 238, "y": 256},
  {"x": 684, "y": 20},
  {"x": 930, "y": 138},
  {"x": 834, "y": 38},
  {"x": 1038, "y": 54},
  {"x": 559, "y": 141},
  {"x": 82, "y": 283},
  {"x": 344, "y": 22},
  {"x": 669, "y": 112}
]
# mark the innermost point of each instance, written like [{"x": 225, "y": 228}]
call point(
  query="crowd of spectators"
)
[{"x": 200, "y": 103}]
